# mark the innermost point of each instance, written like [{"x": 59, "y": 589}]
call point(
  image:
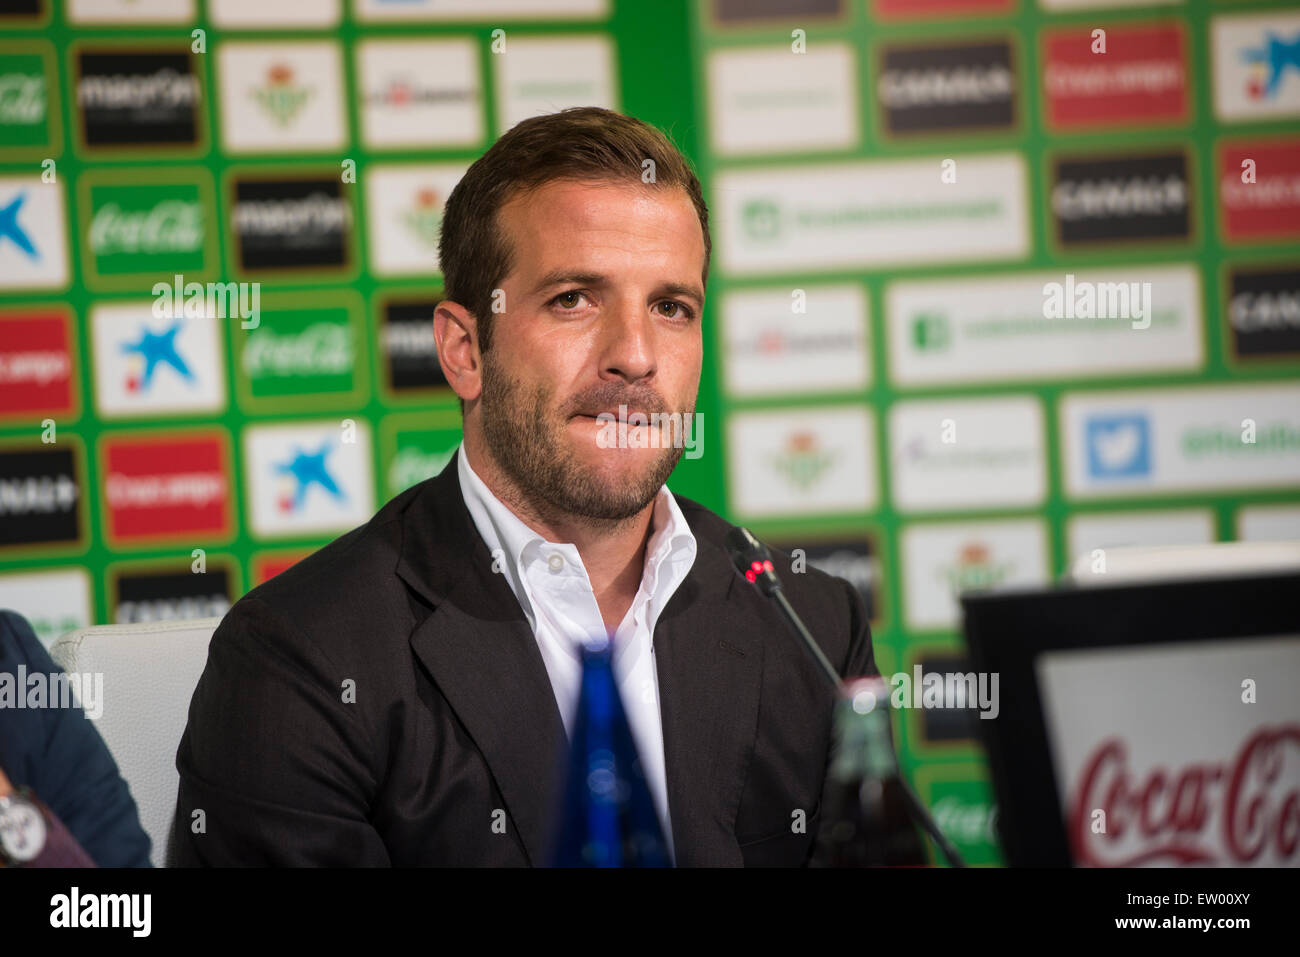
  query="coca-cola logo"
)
[
  {"x": 1250, "y": 803},
  {"x": 321, "y": 349},
  {"x": 22, "y": 99},
  {"x": 168, "y": 226}
]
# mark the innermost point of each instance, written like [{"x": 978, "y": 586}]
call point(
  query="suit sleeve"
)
[
  {"x": 861, "y": 658},
  {"x": 275, "y": 767}
]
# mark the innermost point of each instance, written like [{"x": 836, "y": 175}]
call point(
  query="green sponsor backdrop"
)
[{"x": 136, "y": 215}]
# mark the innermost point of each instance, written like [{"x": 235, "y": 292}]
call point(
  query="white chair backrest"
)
[
  {"x": 150, "y": 673},
  {"x": 1151, "y": 563}
]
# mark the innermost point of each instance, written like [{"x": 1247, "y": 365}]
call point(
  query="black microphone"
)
[{"x": 753, "y": 560}]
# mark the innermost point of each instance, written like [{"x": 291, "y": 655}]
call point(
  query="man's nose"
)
[{"x": 627, "y": 344}]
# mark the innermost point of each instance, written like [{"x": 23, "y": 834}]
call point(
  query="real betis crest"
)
[
  {"x": 424, "y": 219},
  {"x": 281, "y": 97},
  {"x": 803, "y": 463}
]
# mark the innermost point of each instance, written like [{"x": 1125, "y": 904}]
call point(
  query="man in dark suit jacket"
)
[{"x": 395, "y": 698}]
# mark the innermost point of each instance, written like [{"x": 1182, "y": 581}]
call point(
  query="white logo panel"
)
[
  {"x": 772, "y": 100},
  {"x": 802, "y": 462},
  {"x": 943, "y": 561},
  {"x": 1091, "y": 531},
  {"x": 804, "y": 340},
  {"x": 967, "y": 453},
  {"x": 250, "y": 14},
  {"x": 1181, "y": 440},
  {"x": 869, "y": 214},
  {"x": 33, "y": 238},
  {"x": 281, "y": 96},
  {"x": 404, "y": 204},
  {"x": 993, "y": 329},
  {"x": 419, "y": 93},
  {"x": 305, "y": 478},
  {"x": 53, "y": 602},
  {"x": 147, "y": 365},
  {"x": 538, "y": 76},
  {"x": 1256, "y": 66}
]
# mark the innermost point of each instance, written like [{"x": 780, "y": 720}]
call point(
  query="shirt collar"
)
[{"x": 670, "y": 539}]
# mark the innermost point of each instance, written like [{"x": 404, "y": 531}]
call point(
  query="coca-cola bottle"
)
[{"x": 866, "y": 817}]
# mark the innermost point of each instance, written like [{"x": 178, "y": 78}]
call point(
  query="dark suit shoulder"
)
[{"x": 341, "y": 592}]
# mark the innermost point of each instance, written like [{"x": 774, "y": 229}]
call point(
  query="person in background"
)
[{"x": 62, "y": 801}]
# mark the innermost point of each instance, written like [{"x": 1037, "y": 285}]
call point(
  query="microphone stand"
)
[{"x": 753, "y": 560}]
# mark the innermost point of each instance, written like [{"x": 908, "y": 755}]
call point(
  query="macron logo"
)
[{"x": 103, "y": 910}]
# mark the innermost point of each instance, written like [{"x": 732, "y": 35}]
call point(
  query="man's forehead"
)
[{"x": 595, "y": 208}]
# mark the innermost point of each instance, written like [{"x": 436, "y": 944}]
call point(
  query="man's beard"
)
[{"x": 525, "y": 444}]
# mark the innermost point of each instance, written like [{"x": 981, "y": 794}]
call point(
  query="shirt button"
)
[{"x": 555, "y": 562}]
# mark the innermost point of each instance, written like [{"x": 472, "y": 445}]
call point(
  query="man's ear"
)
[{"x": 455, "y": 334}]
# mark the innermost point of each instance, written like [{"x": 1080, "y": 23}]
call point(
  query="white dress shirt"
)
[{"x": 556, "y": 596}]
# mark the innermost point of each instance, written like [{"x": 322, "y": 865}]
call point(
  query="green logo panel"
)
[
  {"x": 962, "y": 804},
  {"x": 136, "y": 232},
  {"x": 415, "y": 447},
  {"x": 28, "y": 102},
  {"x": 302, "y": 352}
]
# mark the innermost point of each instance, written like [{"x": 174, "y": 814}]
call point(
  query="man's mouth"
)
[{"x": 642, "y": 417}]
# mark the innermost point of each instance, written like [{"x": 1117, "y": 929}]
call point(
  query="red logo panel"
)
[
  {"x": 266, "y": 567},
  {"x": 1269, "y": 207},
  {"x": 36, "y": 377},
  {"x": 166, "y": 488},
  {"x": 1141, "y": 78}
]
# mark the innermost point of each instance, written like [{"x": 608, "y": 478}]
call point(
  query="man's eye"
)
[
  {"x": 569, "y": 300},
  {"x": 676, "y": 310}
]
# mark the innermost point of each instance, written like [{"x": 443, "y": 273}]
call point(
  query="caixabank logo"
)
[
  {"x": 1263, "y": 313},
  {"x": 307, "y": 352},
  {"x": 947, "y": 87},
  {"x": 204, "y": 587},
  {"x": 1101, "y": 199},
  {"x": 137, "y": 98},
  {"x": 42, "y": 497},
  {"x": 1256, "y": 65},
  {"x": 408, "y": 352},
  {"x": 294, "y": 226},
  {"x": 29, "y": 101},
  {"x": 151, "y": 364},
  {"x": 33, "y": 239},
  {"x": 38, "y": 377},
  {"x": 1133, "y": 75},
  {"x": 138, "y": 227},
  {"x": 308, "y": 479},
  {"x": 166, "y": 487}
]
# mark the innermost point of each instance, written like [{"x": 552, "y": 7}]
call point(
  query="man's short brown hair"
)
[{"x": 583, "y": 144}]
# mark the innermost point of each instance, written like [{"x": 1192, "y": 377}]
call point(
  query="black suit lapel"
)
[
  {"x": 479, "y": 650},
  {"x": 710, "y": 669}
]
